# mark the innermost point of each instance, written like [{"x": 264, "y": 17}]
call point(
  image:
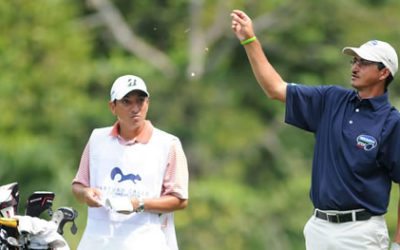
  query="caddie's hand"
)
[
  {"x": 92, "y": 197},
  {"x": 395, "y": 246},
  {"x": 242, "y": 25}
]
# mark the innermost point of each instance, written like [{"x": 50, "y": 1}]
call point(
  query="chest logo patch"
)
[
  {"x": 366, "y": 142},
  {"x": 116, "y": 174}
]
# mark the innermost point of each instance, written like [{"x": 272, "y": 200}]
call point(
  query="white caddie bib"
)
[{"x": 135, "y": 170}]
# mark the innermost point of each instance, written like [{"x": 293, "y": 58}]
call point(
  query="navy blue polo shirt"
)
[{"x": 357, "y": 146}]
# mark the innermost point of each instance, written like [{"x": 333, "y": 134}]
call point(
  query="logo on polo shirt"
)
[
  {"x": 366, "y": 142},
  {"x": 116, "y": 173}
]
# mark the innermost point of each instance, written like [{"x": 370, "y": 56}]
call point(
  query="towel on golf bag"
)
[{"x": 42, "y": 232}]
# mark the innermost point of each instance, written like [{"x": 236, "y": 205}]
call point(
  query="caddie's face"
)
[
  {"x": 366, "y": 76},
  {"x": 131, "y": 110}
]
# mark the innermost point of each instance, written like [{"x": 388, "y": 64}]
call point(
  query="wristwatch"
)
[{"x": 140, "y": 208}]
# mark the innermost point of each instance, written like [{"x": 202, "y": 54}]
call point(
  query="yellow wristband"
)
[{"x": 249, "y": 40}]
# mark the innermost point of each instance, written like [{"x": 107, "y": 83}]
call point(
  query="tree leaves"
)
[{"x": 248, "y": 169}]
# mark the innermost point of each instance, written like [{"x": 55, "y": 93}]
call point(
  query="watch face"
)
[
  {"x": 141, "y": 208},
  {"x": 141, "y": 205}
]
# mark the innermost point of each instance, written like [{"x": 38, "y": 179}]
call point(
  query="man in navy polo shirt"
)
[{"x": 357, "y": 148}]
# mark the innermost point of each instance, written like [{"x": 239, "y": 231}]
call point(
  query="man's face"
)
[
  {"x": 131, "y": 110},
  {"x": 366, "y": 75}
]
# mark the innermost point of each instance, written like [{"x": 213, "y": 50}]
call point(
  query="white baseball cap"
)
[
  {"x": 376, "y": 51},
  {"x": 125, "y": 84}
]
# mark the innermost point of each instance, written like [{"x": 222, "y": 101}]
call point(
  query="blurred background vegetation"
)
[{"x": 249, "y": 172}]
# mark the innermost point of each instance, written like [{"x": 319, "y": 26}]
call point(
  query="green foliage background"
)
[{"x": 249, "y": 172}]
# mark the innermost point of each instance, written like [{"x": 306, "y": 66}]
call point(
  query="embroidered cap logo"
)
[
  {"x": 130, "y": 83},
  {"x": 374, "y": 42}
]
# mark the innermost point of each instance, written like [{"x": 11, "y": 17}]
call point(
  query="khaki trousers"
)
[{"x": 370, "y": 234}]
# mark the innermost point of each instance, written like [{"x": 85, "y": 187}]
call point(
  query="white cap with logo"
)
[
  {"x": 125, "y": 84},
  {"x": 376, "y": 51}
]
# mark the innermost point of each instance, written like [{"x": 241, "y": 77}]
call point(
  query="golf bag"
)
[{"x": 28, "y": 231}]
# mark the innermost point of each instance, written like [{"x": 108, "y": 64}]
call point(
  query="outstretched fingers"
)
[
  {"x": 239, "y": 17},
  {"x": 241, "y": 25}
]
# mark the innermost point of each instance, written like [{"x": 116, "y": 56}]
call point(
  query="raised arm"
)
[{"x": 269, "y": 80}]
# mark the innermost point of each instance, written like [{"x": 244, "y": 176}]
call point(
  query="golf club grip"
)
[{"x": 9, "y": 222}]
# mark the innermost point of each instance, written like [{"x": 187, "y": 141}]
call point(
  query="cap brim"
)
[
  {"x": 119, "y": 97},
  {"x": 139, "y": 90},
  {"x": 351, "y": 51}
]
